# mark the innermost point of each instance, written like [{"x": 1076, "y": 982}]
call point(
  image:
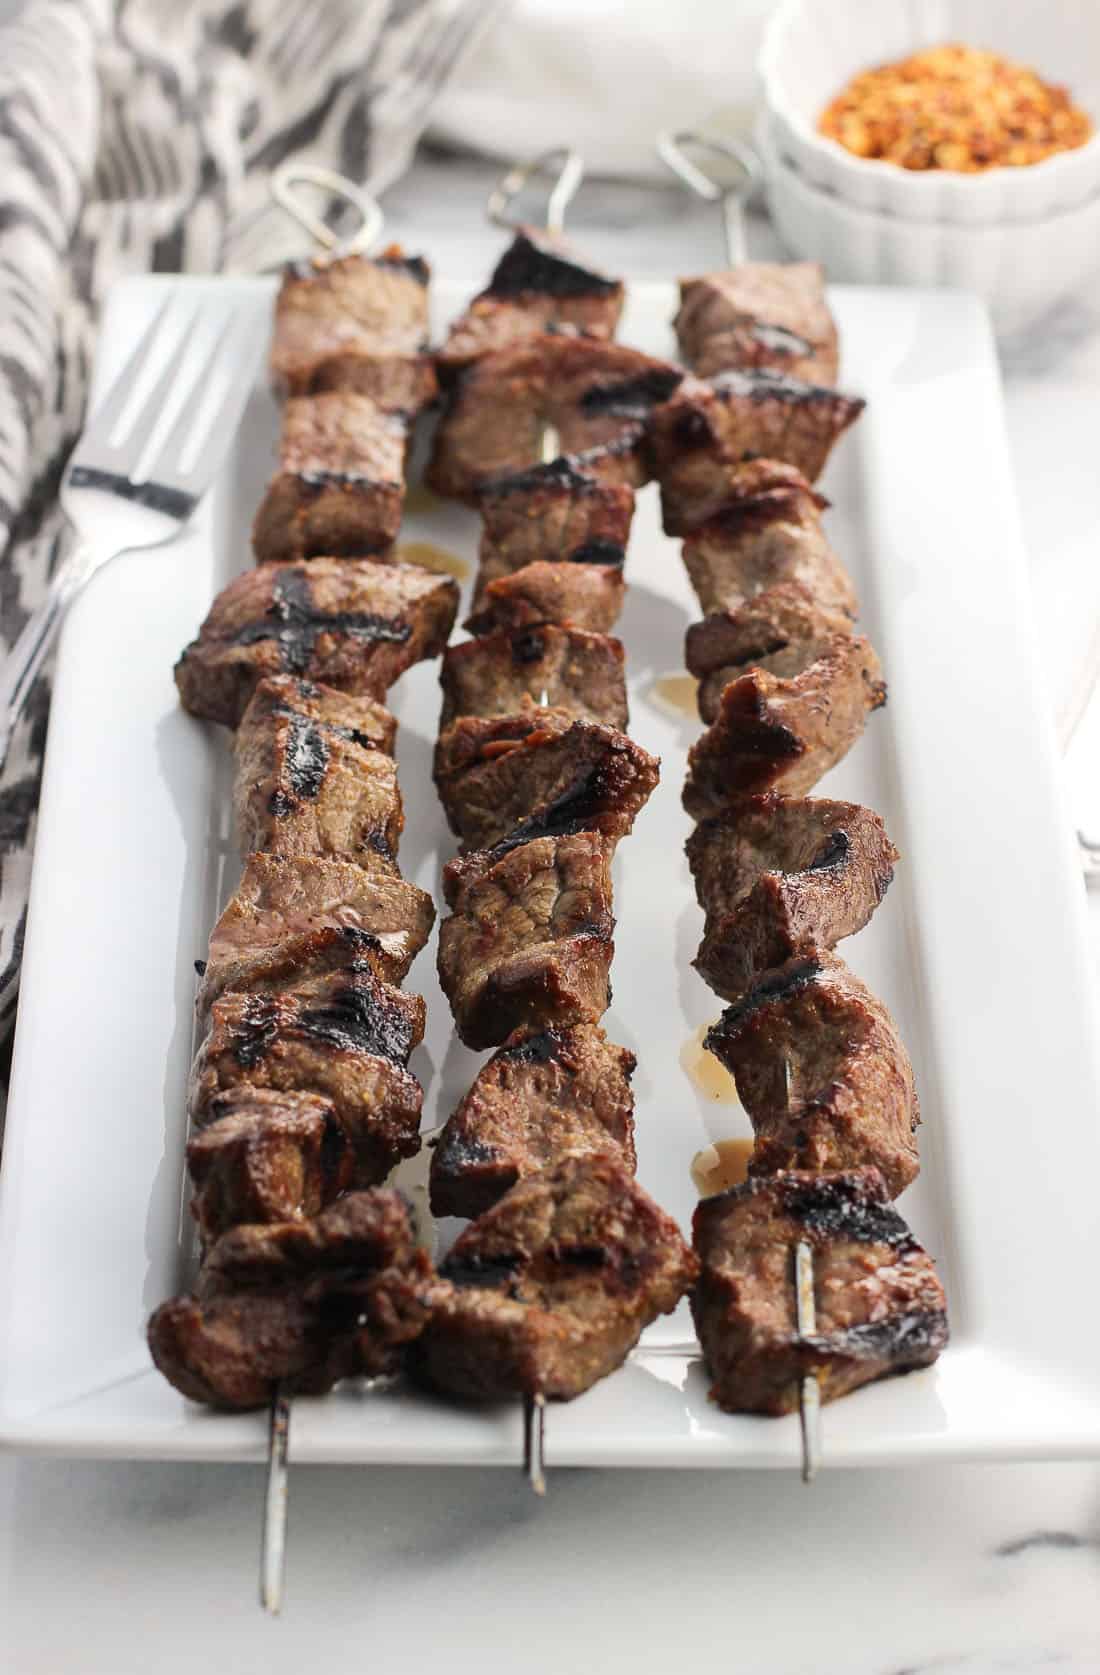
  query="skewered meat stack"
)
[
  {"x": 300, "y": 1099},
  {"x": 568, "y": 1259},
  {"x": 785, "y": 688}
]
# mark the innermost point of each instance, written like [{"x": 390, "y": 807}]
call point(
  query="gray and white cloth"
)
[{"x": 141, "y": 135}]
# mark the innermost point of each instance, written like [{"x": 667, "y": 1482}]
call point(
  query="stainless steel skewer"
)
[
  {"x": 809, "y": 1391},
  {"x": 731, "y": 195},
  {"x": 534, "y": 1441},
  {"x": 273, "y": 1546},
  {"x": 570, "y": 172}
]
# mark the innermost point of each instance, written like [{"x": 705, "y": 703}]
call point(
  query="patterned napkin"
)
[{"x": 140, "y": 135}]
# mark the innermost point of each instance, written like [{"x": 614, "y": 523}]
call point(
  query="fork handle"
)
[{"x": 28, "y": 654}]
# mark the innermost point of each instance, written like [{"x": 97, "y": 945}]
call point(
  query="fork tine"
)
[
  {"x": 106, "y": 415},
  {"x": 134, "y": 441},
  {"x": 196, "y": 423}
]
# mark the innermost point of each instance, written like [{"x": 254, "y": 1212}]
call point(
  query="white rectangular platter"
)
[{"x": 978, "y": 949}]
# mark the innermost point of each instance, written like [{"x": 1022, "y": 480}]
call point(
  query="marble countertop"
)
[{"x": 124, "y": 1569}]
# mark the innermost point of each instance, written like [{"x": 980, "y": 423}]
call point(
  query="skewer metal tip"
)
[
  {"x": 273, "y": 1546},
  {"x": 809, "y": 1391},
  {"x": 534, "y": 1441}
]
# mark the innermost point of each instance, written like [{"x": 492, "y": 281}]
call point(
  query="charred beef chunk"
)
[
  {"x": 304, "y": 788},
  {"x": 822, "y": 1073},
  {"x": 552, "y": 1287},
  {"x": 559, "y": 668},
  {"x": 499, "y": 785},
  {"x": 266, "y": 1157},
  {"x": 782, "y": 631},
  {"x": 880, "y": 1306},
  {"x": 589, "y": 393},
  {"x": 529, "y": 941},
  {"x": 299, "y": 1304},
  {"x": 346, "y": 1036},
  {"x": 573, "y": 595},
  {"x": 352, "y": 625},
  {"x": 539, "y": 1097},
  {"x": 295, "y": 917},
  {"x": 538, "y": 285},
  {"x": 779, "y": 876},
  {"x": 766, "y": 534},
  {"x": 707, "y": 426},
  {"x": 340, "y": 484},
  {"x": 357, "y": 323},
  {"x": 559, "y": 511},
  {"x": 760, "y": 314},
  {"x": 771, "y": 733}
]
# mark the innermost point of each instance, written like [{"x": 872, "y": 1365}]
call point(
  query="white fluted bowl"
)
[
  {"x": 1023, "y": 270},
  {"x": 812, "y": 48}
]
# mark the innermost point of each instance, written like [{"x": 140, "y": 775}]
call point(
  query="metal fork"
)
[{"x": 127, "y": 485}]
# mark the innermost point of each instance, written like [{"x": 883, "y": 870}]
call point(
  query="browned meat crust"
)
[
  {"x": 294, "y": 917},
  {"x": 359, "y": 720},
  {"x": 779, "y": 876},
  {"x": 357, "y": 323},
  {"x": 538, "y": 285},
  {"x": 300, "y": 1305},
  {"x": 551, "y": 590},
  {"x": 352, "y": 625},
  {"x": 552, "y": 1287},
  {"x": 760, "y": 314},
  {"x": 591, "y": 393},
  {"x": 539, "y": 1097},
  {"x": 305, "y": 788},
  {"x": 879, "y": 1303},
  {"x": 781, "y": 631},
  {"x": 265, "y": 1157},
  {"x": 345, "y": 1035},
  {"x": 340, "y": 484},
  {"x": 784, "y": 734},
  {"x": 822, "y": 1073},
  {"x": 498, "y": 783},
  {"x": 766, "y": 534},
  {"x": 549, "y": 667},
  {"x": 529, "y": 941},
  {"x": 556, "y": 511},
  {"x": 708, "y": 426}
]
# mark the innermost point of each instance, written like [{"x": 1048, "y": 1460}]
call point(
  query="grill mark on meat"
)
[
  {"x": 568, "y": 813},
  {"x": 565, "y": 472},
  {"x": 358, "y": 1023},
  {"x": 834, "y": 853},
  {"x": 295, "y": 625},
  {"x": 767, "y": 385},
  {"x": 832, "y": 1212},
  {"x": 260, "y": 1026},
  {"x": 779, "y": 339},
  {"x": 598, "y": 551},
  {"x": 796, "y": 975},
  {"x": 527, "y": 266},
  {"x": 492, "y": 1273},
  {"x": 350, "y": 735},
  {"x": 542, "y": 1048},
  {"x": 306, "y": 759},
  {"x": 632, "y": 398},
  {"x": 528, "y": 648}
]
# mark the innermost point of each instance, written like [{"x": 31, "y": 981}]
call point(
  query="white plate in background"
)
[{"x": 978, "y": 949}]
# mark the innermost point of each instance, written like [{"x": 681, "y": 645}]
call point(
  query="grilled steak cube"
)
[
  {"x": 358, "y": 323},
  {"x": 572, "y": 595},
  {"x": 340, "y": 484},
  {"x": 552, "y": 1287},
  {"x": 499, "y": 784},
  {"x": 589, "y": 393},
  {"x": 759, "y": 314},
  {"x": 782, "y": 631},
  {"x": 346, "y": 1036},
  {"x": 538, "y": 285},
  {"x": 560, "y": 510},
  {"x": 295, "y": 917},
  {"x": 539, "y": 1097},
  {"x": 298, "y": 1305},
  {"x": 355, "y": 626},
  {"x": 304, "y": 788},
  {"x": 822, "y": 1072},
  {"x": 779, "y": 876},
  {"x": 766, "y": 533},
  {"x": 559, "y": 668},
  {"x": 784, "y": 734},
  {"x": 528, "y": 943},
  {"x": 266, "y": 1157},
  {"x": 879, "y": 1304},
  {"x": 709, "y": 426}
]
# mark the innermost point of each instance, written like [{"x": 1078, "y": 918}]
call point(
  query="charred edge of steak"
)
[
  {"x": 747, "y": 513},
  {"x": 541, "y": 1048},
  {"x": 489, "y": 1273},
  {"x": 796, "y": 975},
  {"x": 561, "y": 473},
  {"x": 352, "y": 1022},
  {"x": 567, "y": 813},
  {"x": 632, "y": 398},
  {"x": 528, "y": 646},
  {"x": 295, "y": 624},
  {"x": 350, "y": 735},
  {"x": 415, "y": 266},
  {"x": 598, "y": 551},
  {"x": 835, "y": 852},
  {"x": 832, "y": 1210},
  {"x": 766, "y": 384},
  {"x": 779, "y": 339},
  {"x": 306, "y": 760},
  {"x": 910, "y": 1340},
  {"x": 530, "y": 266}
]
